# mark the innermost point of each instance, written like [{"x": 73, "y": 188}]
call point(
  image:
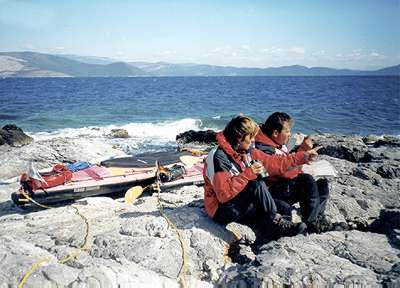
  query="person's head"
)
[
  {"x": 240, "y": 132},
  {"x": 278, "y": 127}
]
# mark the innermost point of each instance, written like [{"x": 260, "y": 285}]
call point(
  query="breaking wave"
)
[{"x": 142, "y": 136}]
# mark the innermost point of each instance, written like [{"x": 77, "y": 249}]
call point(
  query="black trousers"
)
[
  {"x": 312, "y": 195},
  {"x": 254, "y": 202}
]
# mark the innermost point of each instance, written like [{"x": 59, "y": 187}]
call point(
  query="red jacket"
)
[
  {"x": 226, "y": 175},
  {"x": 268, "y": 146}
]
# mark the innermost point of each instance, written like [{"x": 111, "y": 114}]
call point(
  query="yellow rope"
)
[
  {"x": 85, "y": 245},
  {"x": 33, "y": 268},
  {"x": 33, "y": 201},
  {"x": 182, "y": 270},
  {"x": 72, "y": 255}
]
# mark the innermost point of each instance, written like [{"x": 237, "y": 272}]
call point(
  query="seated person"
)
[
  {"x": 293, "y": 186},
  {"x": 233, "y": 184}
]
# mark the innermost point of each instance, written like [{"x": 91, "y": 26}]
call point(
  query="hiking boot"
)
[
  {"x": 313, "y": 227},
  {"x": 324, "y": 224},
  {"x": 285, "y": 227},
  {"x": 320, "y": 225}
]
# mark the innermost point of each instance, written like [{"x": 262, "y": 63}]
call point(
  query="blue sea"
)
[{"x": 155, "y": 109}]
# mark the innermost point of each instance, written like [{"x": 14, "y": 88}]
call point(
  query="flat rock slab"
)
[
  {"x": 334, "y": 258},
  {"x": 128, "y": 244}
]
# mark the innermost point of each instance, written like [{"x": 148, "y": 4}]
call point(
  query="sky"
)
[{"x": 356, "y": 34}]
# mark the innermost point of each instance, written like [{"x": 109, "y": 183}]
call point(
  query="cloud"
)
[
  {"x": 229, "y": 51},
  {"x": 59, "y": 49},
  {"x": 246, "y": 56},
  {"x": 167, "y": 53},
  {"x": 120, "y": 55},
  {"x": 272, "y": 51},
  {"x": 284, "y": 52},
  {"x": 225, "y": 50},
  {"x": 228, "y": 55},
  {"x": 377, "y": 55},
  {"x": 28, "y": 46},
  {"x": 359, "y": 55},
  {"x": 297, "y": 50},
  {"x": 318, "y": 53}
]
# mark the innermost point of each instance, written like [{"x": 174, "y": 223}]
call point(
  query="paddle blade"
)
[
  {"x": 188, "y": 160},
  {"x": 132, "y": 194}
]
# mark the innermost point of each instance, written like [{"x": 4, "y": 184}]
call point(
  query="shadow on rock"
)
[
  {"x": 8, "y": 207},
  {"x": 388, "y": 223}
]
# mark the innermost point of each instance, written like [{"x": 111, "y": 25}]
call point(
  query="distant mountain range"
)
[{"x": 32, "y": 64}]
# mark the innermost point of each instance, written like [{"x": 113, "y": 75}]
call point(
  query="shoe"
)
[
  {"x": 320, "y": 225},
  {"x": 285, "y": 227},
  {"x": 313, "y": 227},
  {"x": 323, "y": 223}
]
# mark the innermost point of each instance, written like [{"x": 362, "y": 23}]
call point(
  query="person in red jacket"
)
[
  {"x": 233, "y": 183},
  {"x": 293, "y": 186}
]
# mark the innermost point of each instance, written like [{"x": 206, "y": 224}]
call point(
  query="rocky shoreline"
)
[{"x": 134, "y": 246}]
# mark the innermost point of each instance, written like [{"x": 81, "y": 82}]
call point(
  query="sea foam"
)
[{"x": 142, "y": 136}]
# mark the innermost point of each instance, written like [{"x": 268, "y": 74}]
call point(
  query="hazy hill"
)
[
  {"x": 393, "y": 70},
  {"x": 32, "y": 64},
  {"x": 25, "y": 64},
  {"x": 167, "y": 69},
  {"x": 89, "y": 59}
]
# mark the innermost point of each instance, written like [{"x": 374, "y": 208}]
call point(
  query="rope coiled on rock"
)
[
  {"x": 72, "y": 255},
  {"x": 182, "y": 270}
]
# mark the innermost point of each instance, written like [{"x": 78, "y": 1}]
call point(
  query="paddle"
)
[
  {"x": 133, "y": 193},
  {"x": 189, "y": 160}
]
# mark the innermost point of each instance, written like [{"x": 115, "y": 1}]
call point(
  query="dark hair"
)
[
  {"x": 275, "y": 122},
  {"x": 238, "y": 128}
]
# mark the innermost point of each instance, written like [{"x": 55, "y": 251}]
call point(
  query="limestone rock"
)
[
  {"x": 241, "y": 253},
  {"x": 135, "y": 246},
  {"x": 119, "y": 133},
  {"x": 197, "y": 137},
  {"x": 14, "y": 136},
  {"x": 352, "y": 149},
  {"x": 387, "y": 140},
  {"x": 389, "y": 171},
  {"x": 242, "y": 233},
  {"x": 334, "y": 258}
]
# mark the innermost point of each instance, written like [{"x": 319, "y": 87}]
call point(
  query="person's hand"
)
[
  {"x": 257, "y": 168},
  {"x": 312, "y": 154},
  {"x": 307, "y": 144}
]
